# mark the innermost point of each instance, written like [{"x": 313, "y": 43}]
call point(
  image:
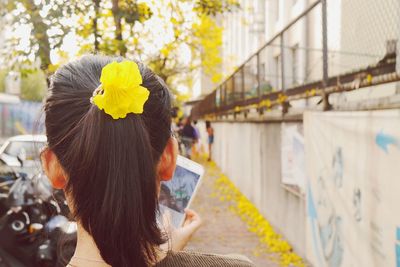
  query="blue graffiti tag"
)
[
  {"x": 384, "y": 140},
  {"x": 397, "y": 247},
  {"x": 312, "y": 213},
  {"x": 398, "y": 234}
]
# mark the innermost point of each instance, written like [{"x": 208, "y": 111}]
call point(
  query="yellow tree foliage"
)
[
  {"x": 175, "y": 38},
  {"x": 209, "y": 36}
]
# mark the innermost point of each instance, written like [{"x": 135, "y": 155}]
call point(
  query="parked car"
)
[
  {"x": 27, "y": 146},
  {"x": 16, "y": 149}
]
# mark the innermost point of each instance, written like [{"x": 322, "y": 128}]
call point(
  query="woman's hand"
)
[{"x": 179, "y": 237}]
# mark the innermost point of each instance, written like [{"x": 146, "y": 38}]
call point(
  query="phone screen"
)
[{"x": 176, "y": 193}]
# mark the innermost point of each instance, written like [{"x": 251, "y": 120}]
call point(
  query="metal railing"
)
[{"x": 281, "y": 71}]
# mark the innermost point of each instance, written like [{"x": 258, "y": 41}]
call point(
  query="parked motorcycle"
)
[{"x": 34, "y": 224}]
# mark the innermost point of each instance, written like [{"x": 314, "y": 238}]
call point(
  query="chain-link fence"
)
[
  {"x": 329, "y": 44},
  {"x": 361, "y": 33}
]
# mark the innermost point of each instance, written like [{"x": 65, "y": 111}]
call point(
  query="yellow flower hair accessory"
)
[{"x": 120, "y": 91}]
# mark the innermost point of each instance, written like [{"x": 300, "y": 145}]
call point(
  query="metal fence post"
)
[
  {"x": 397, "y": 51},
  {"x": 325, "y": 96},
  {"x": 224, "y": 92},
  {"x": 282, "y": 63},
  {"x": 258, "y": 77},
  {"x": 233, "y": 97},
  {"x": 243, "y": 85},
  {"x": 214, "y": 104}
]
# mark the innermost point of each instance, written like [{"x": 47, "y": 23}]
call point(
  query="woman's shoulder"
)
[{"x": 189, "y": 258}]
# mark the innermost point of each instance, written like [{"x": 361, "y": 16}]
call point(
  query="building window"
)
[{"x": 295, "y": 64}]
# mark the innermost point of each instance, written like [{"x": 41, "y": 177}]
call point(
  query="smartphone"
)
[{"x": 177, "y": 193}]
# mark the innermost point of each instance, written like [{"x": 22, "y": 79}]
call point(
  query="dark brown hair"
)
[{"x": 111, "y": 164}]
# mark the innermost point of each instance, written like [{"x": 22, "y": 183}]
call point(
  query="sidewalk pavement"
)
[{"x": 228, "y": 225}]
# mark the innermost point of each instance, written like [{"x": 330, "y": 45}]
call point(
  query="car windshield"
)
[{"x": 30, "y": 148}]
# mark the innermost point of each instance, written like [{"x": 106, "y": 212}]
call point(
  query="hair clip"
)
[
  {"x": 120, "y": 91},
  {"x": 98, "y": 91}
]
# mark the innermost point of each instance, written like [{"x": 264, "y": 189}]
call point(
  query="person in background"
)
[
  {"x": 210, "y": 133},
  {"x": 180, "y": 124},
  {"x": 188, "y": 137},
  {"x": 196, "y": 145}
]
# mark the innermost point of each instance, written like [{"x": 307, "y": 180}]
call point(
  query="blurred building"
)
[{"x": 244, "y": 33}]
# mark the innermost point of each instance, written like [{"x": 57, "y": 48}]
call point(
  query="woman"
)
[
  {"x": 109, "y": 146},
  {"x": 189, "y": 137}
]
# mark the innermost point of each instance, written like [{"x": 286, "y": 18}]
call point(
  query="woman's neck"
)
[{"x": 87, "y": 254}]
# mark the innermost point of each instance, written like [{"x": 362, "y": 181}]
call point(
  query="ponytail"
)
[{"x": 111, "y": 164}]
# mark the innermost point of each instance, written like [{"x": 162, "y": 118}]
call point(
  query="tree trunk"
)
[
  {"x": 95, "y": 28},
  {"x": 118, "y": 27},
  {"x": 40, "y": 33}
]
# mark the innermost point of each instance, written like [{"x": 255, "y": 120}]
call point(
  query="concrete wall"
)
[{"x": 249, "y": 153}]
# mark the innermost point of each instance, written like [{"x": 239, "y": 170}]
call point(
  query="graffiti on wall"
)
[{"x": 352, "y": 182}]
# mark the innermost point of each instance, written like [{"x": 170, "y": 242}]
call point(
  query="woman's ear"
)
[
  {"x": 167, "y": 164},
  {"x": 53, "y": 169}
]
